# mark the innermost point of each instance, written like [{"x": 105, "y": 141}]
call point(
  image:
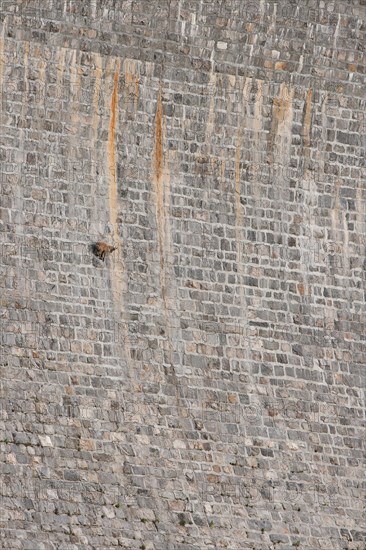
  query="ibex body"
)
[{"x": 102, "y": 249}]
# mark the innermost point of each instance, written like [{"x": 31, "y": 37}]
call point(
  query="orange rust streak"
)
[
  {"x": 279, "y": 109},
  {"x": 281, "y": 105},
  {"x": 159, "y": 189},
  {"x": 281, "y": 116},
  {"x": 112, "y": 124},
  {"x": 112, "y": 152},
  {"x": 159, "y": 140}
]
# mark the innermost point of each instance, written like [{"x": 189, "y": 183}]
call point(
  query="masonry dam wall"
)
[{"x": 203, "y": 388}]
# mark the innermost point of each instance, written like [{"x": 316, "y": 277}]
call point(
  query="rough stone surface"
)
[{"x": 204, "y": 387}]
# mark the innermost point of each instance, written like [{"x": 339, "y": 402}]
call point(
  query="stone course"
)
[{"x": 204, "y": 387}]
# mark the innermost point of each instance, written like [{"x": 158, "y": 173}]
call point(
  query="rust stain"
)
[
  {"x": 257, "y": 129},
  {"x": 159, "y": 190},
  {"x": 112, "y": 155},
  {"x": 307, "y": 118},
  {"x": 161, "y": 181},
  {"x": 280, "y": 134},
  {"x": 112, "y": 124},
  {"x": 75, "y": 89},
  {"x": 116, "y": 266},
  {"x": 281, "y": 105},
  {"x": 158, "y": 153},
  {"x": 239, "y": 137}
]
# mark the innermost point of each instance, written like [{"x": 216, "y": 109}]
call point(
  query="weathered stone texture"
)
[{"x": 204, "y": 387}]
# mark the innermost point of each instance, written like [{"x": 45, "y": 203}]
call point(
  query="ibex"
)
[{"x": 100, "y": 249}]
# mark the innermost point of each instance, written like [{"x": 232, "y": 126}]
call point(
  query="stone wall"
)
[{"x": 204, "y": 387}]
